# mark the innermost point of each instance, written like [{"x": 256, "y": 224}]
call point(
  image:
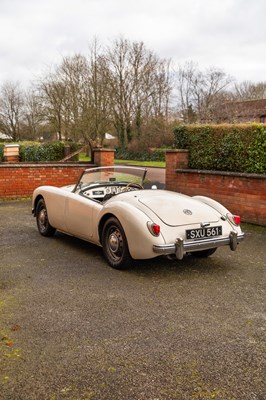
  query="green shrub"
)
[
  {"x": 1, "y": 152},
  {"x": 41, "y": 152},
  {"x": 256, "y": 161},
  {"x": 182, "y": 137},
  {"x": 236, "y": 148},
  {"x": 144, "y": 155}
]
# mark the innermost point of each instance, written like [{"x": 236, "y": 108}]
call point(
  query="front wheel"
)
[
  {"x": 115, "y": 247},
  {"x": 204, "y": 253},
  {"x": 42, "y": 220}
]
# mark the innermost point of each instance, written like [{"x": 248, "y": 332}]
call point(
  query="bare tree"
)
[
  {"x": 53, "y": 94},
  {"x": 122, "y": 87},
  {"x": 185, "y": 78},
  {"x": 199, "y": 92},
  {"x": 88, "y": 102},
  {"x": 248, "y": 90},
  {"x": 11, "y": 110},
  {"x": 73, "y": 74},
  {"x": 33, "y": 116},
  {"x": 99, "y": 118},
  {"x": 138, "y": 86},
  {"x": 76, "y": 97}
]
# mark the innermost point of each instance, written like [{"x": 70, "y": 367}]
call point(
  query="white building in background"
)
[{"x": 3, "y": 136}]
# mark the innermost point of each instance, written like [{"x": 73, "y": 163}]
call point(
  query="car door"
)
[{"x": 79, "y": 215}]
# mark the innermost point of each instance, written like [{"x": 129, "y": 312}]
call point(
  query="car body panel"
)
[
  {"x": 169, "y": 208},
  {"x": 55, "y": 199},
  {"x": 134, "y": 222},
  {"x": 79, "y": 216}
]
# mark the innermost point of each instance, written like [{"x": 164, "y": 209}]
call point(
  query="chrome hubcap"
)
[
  {"x": 42, "y": 217},
  {"x": 42, "y": 220},
  {"x": 115, "y": 244}
]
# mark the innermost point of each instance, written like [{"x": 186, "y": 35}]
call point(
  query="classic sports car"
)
[{"x": 113, "y": 208}]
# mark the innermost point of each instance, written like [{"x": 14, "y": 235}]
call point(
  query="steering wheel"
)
[{"x": 127, "y": 189}]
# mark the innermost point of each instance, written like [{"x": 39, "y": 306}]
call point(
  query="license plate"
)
[{"x": 203, "y": 233}]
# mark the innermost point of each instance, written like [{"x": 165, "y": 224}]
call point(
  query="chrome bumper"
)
[{"x": 179, "y": 248}]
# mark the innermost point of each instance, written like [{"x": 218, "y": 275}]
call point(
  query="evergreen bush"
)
[
  {"x": 140, "y": 155},
  {"x": 1, "y": 152},
  {"x": 235, "y": 148},
  {"x": 41, "y": 152}
]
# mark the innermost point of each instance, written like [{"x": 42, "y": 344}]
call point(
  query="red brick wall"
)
[
  {"x": 19, "y": 180},
  {"x": 243, "y": 194}
]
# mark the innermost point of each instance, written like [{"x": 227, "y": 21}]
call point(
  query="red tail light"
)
[
  {"x": 237, "y": 219},
  {"x": 154, "y": 228}
]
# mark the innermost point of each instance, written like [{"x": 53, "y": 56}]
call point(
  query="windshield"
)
[{"x": 109, "y": 175}]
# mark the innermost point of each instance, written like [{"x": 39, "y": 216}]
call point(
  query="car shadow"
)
[
  {"x": 151, "y": 267},
  {"x": 76, "y": 243},
  {"x": 189, "y": 265}
]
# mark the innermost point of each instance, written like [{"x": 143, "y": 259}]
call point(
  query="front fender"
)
[{"x": 55, "y": 200}]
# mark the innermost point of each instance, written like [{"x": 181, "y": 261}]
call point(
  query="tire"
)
[
  {"x": 204, "y": 253},
  {"x": 115, "y": 247},
  {"x": 42, "y": 220}
]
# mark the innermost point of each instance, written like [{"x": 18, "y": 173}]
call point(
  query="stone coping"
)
[
  {"x": 48, "y": 164},
  {"x": 226, "y": 173}
]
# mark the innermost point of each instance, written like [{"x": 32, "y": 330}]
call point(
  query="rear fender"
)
[
  {"x": 212, "y": 203},
  {"x": 134, "y": 222},
  {"x": 226, "y": 215}
]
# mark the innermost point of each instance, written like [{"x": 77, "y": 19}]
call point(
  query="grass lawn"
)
[
  {"x": 83, "y": 157},
  {"x": 161, "y": 164},
  {"x": 142, "y": 163}
]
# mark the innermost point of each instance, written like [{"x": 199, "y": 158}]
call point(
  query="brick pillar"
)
[
  {"x": 104, "y": 157},
  {"x": 11, "y": 153},
  {"x": 175, "y": 159}
]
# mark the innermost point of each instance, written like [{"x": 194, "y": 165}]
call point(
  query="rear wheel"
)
[
  {"x": 115, "y": 247},
  {"x": 43, "y": 224},
  {"x": 203, "y": 253}
]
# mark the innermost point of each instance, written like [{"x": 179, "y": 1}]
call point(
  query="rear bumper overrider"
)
[{"x": 180, "y": 247}]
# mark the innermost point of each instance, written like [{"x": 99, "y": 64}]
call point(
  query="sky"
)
[{"x": 226, "y": 34}]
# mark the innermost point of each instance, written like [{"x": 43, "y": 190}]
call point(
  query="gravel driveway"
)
[{"x": 73, "y": 328}]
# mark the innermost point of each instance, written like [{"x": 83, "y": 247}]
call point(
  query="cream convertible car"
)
[{"x": 111, "y": 207}]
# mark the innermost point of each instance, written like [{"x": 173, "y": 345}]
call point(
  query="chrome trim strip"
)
[{"x": 180, "y": 247}]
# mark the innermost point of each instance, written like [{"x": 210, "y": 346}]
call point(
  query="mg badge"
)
[{"x": 187, "y": 212}]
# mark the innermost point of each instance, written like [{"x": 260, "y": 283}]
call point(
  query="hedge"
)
[
  {"x": 235, "y": 148},
  {"x": 1, "y": 152},
  {"x": 144, "y": 155},
  {"x": 40, "y": 152}
]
